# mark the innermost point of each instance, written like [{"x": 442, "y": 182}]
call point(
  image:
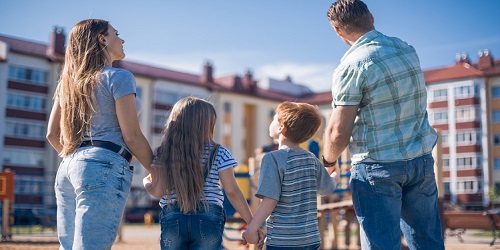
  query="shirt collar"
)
[{"x": 364, "y": 39}]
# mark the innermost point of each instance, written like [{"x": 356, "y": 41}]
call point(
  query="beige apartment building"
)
[
  {"x": 464, "y": 104},
  {"x": 29, "y": 72}
]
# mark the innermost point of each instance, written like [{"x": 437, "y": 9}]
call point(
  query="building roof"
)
[
  {"x": 462, "y": 69},
  {"x": 319, "y": 98},
  {"x": 457, "y": 71},
  {"x": 224, "y": 84},
  {"x": 22, "y": 46},
  {"x": 158, "y": 73}
]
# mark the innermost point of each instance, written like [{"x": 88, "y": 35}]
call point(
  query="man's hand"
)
[{"x": 335, "y": 173}]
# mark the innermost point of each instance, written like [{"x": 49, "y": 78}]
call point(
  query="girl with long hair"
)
[
  {"x": 185, "y": 176},
  {"x": 94, "y": 127}
]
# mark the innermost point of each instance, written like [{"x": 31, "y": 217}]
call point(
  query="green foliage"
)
[{"x": 492, "y": 193}]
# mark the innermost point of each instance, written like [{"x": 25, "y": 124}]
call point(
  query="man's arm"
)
[{"x": 338, "y": 131}]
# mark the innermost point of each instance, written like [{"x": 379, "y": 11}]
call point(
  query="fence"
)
[{"x": 33, "y": 210}]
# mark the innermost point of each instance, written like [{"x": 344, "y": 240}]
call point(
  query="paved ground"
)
[{"x": 146, "y": 238}]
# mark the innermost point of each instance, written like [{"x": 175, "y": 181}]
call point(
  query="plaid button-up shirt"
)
[{"x": 382, "y": 76}]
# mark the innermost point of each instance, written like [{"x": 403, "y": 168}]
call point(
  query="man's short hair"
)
[{"x": 352, "y": 16}]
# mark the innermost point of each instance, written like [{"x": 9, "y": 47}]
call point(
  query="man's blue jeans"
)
[
  {"x": 192, "y": 231},
  {"x": 393, "y": 196}
]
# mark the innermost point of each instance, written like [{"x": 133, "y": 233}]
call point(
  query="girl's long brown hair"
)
[
  {"x": 188, "y": 130},
  {"x": 84, "y": 60}
]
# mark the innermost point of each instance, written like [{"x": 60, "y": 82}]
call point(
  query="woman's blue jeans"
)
[
  {"x": 192, "y": 231},
  {"x": 92, "y": 186},
  {"x": 394, "y": 197}
]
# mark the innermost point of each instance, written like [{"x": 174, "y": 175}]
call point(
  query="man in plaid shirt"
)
[{"x": 379, "y": 110}]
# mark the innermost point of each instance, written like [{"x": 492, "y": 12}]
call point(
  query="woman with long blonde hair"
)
[
  {"x": 94, "y": 127},
  {"x": 185, "y": 176}
]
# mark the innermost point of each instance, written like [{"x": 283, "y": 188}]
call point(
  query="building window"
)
[
  {"x": 31, "y": 75},
  {"x": 446, "y": 163},
  {"x": 25, "y": 130},
  {"x": 23, "y": 101},
  {"x": 29, "y": 185},
  {"x": 469, "y": 186},
  {"x": 468, "y": 162},
  {"x": 24, "y": 157},
  {"x": 439, "y": 117},
  {"x": 446, "y": 187},
  {"x": 227, "y": 107},
  {"x": 464, "y": 91},
  {"x": 496, "y": 140},
  {"x": 160, "y": 119},
  {"x": 138, "y": 92},
  {"x": 465, "y": 114},
  {"x": 497, "y": 163},
  {"x": 495, "y": 92},
  {"x": 496, "y": 116},
  {"x": 168, "y": 98},
  {"x": 272, "y": 113},
  {"x": 445, "y": 139},
  {"x": 467, "y": 137},
  {"x": 439, "y": 94}
]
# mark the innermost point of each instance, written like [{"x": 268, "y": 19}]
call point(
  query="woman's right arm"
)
[
  {"x": 54, "y": 128},
  {"x": 126, "y": 111}
]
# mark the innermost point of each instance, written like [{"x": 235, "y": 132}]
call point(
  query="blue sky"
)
[{"x": 273, "y": 38}]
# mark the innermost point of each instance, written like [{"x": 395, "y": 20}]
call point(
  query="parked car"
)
[{"x": 136, "y": 214}]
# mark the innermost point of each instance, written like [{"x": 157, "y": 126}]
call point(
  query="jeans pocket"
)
[
  {"x": 92, "y": 173},
  {"x": 169, "y": 232},
  {"x": 428, "y": 185},
  {"x": 384, "y": 180},
  {"x": 211, "y": 228}
]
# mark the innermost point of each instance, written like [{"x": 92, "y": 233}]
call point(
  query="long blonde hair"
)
[
  {"x": 84, "y": 60},
  {"x": 188, "y": 130}
]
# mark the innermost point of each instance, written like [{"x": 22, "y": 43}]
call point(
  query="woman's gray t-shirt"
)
[{"x": 115, "y": 83}]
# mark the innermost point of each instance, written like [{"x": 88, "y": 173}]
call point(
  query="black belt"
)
[{"x": 109, "y": 146}]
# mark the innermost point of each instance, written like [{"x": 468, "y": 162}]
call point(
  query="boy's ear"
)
[{"x": 282, "y": 129}]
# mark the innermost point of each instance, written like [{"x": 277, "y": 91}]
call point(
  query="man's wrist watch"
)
[{"x": 328, "y": 164}]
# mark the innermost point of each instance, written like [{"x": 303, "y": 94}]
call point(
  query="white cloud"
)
[
  {"x": 316, "y": 76},
  {"x": 225, "y": 62}
]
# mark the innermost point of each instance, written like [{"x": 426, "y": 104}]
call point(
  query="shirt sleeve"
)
[
  {"x": 326, "y": 184},
  {"x": 122, "y": 83},
  {"x": 347, "y": 86},
  {"x": 224, "y": 159},
  {"x": 269, "y": 178}
]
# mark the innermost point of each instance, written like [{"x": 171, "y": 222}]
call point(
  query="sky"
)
[{"x": 271, "y": 38}]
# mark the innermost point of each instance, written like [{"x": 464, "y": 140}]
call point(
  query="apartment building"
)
[
  {"x": 29, "y": 71},
  {"x": 464, "y": 105}
]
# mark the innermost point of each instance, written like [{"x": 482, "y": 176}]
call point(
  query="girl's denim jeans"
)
[
  {"x": 91, "y": 187},
  {"x": 313, "y": 247},
  {"x": 193, "y": 231},
  {"x": 390, "y": 197}
]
